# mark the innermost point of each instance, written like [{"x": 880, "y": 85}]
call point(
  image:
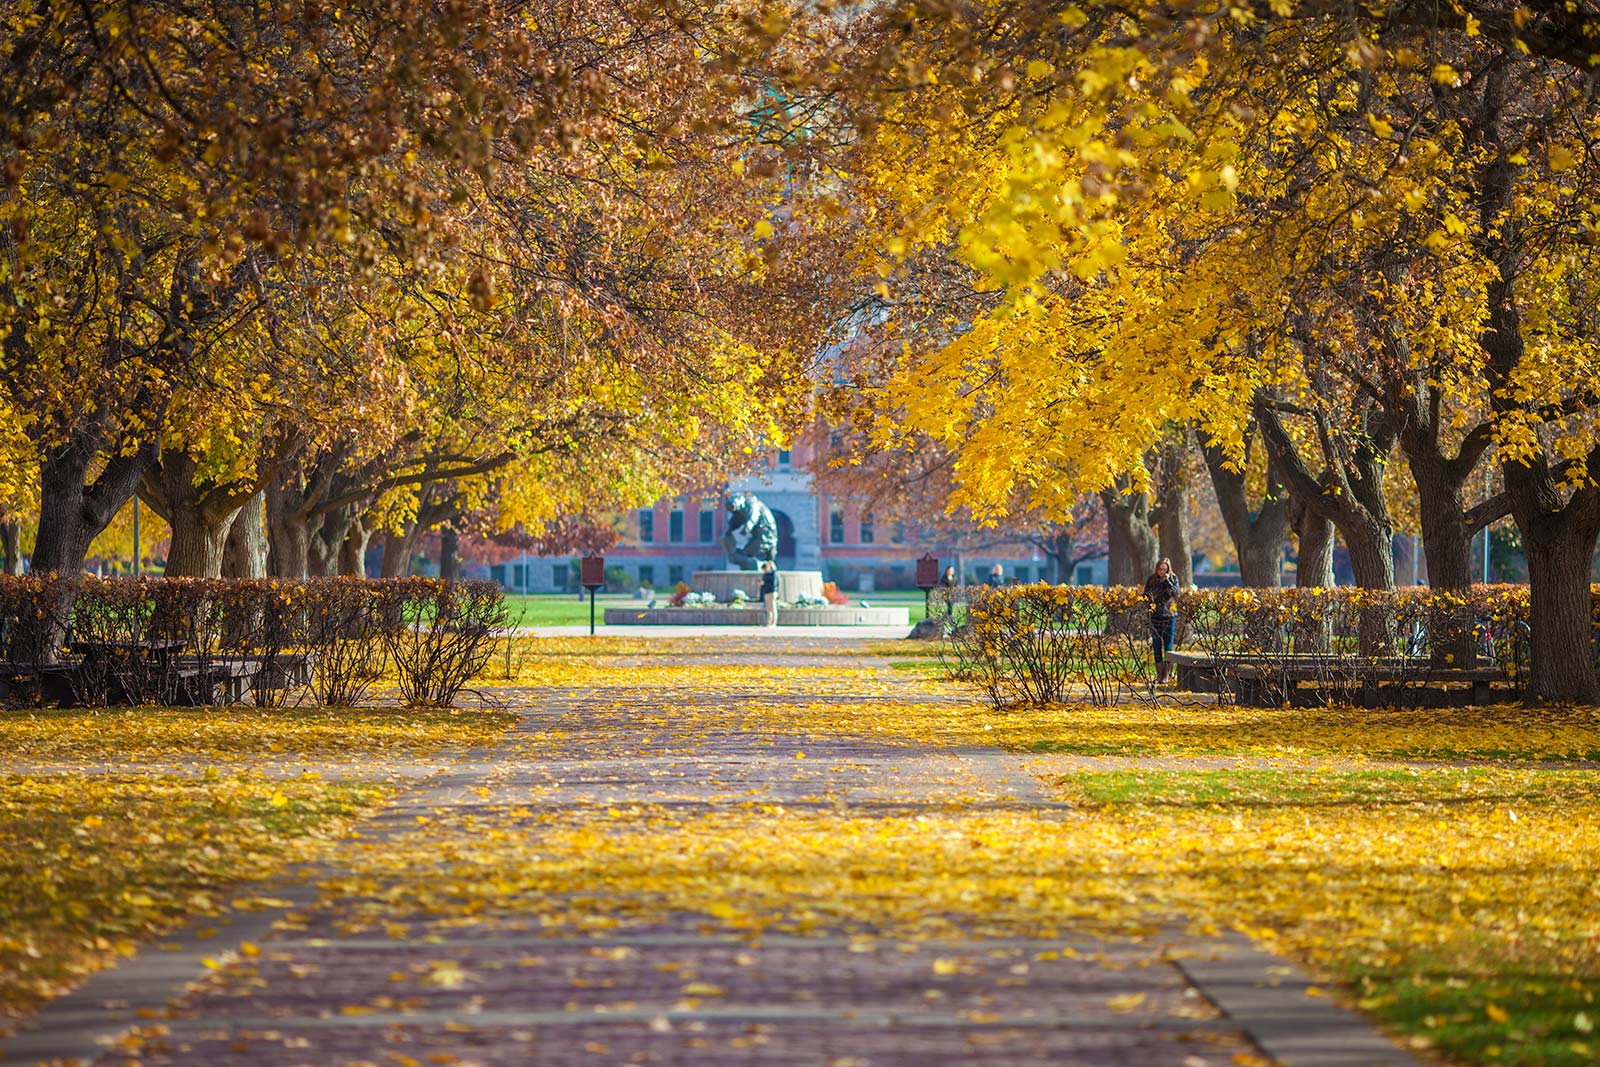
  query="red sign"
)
[
  {"x": 927, "y": 572},
  {"x": 592, "y": 572}
]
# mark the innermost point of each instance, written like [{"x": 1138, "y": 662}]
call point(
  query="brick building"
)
[{"x": 666, "y": 543}]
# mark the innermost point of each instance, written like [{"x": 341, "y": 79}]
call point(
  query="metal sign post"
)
[
  {"x": 592, "y": 576},
  {"x": 927, "y": 578}
]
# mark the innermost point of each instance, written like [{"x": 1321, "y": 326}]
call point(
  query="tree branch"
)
[{"x": 1480, "y": 515}]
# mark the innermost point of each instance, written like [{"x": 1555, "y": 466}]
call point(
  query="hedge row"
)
[
  {"x": 1027, "y": 644},
  {"x": 146, "y": 640}
]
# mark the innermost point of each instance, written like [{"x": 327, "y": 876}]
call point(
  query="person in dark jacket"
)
[
  {"x": 1161, "y": 589},
  {"x": 769, "y": 591}
]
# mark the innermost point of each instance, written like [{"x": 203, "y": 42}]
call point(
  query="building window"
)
[
  {"x": 497, "y": 573},
  {"x": 867, "y": 532},
  {"x": 707, "y": 526},
  {"x": 785, "y": 457},
  {"x": 674, "y": 575},
  {"x": 675, "y": 527},
  {"x": 835, "y": 526},
  {"x": 897, "y": 535},
  {"x": 1022, "y": 575},
  {"x": 647, "y": 575},
  {"x": 558, "y": 576},
  {"x": 1085, "y": 575},
  {"x": 519, "y": 575},
  {"x": 647, "y": 526}
]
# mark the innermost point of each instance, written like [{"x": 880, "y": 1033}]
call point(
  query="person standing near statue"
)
[
  {"x": 1161, "y": 589},
  {"x": 769, "y": 591}
]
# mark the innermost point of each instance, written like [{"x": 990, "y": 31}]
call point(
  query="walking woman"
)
[{"x": 1161, "y": 589}]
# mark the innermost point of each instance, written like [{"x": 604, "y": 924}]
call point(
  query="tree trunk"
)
[
  {"x": 353, "y": 553},
  {"x": 1372, "y": 557},
  {"x": 1261, "y": 562},
  {"x": 449, "y": 554},
  {"x": 328, "y": 531},
  {"x": 1170, "y": 516},
  {"x": 1313, "y": 570},
  {"x": 1131, "y": 543},
  {"x": 1258, "y": 539},
  {"x": 1350, "y": 490},
  {"x": 200, "y": 515},
  {"x": 1370, "y": 541},
  {"x": 197, "y": 545},
  {"x": 1558, "y": 526},
  {"x": 245, "y": 554},
  {"x": 288, "y": 537},
  {"x": 1173, "y": 529},
  {"x": 11, "y": 546},
  {"x": 1559, "y": 547},
  {"x": 1314, "y": 565},
  {"x": 65, "y": 527},
  {"x": 1131, "y": 552},
  {"x": 72, "y": 512},
  {"x": 1446, "y": 542},
  {"x": 1061, "y": 549},
  {"x": 1447, "y": 546},
  {"x": 1372, "y": 561},
  {"x": 397, "y": 549}
]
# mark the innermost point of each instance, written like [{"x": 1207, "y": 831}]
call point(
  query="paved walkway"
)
[{"x": 406, "y": 956}]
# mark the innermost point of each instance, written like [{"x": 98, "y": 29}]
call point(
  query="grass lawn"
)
[
  {"x": 910, "y": 599},
  {"x": 565, "y": 609},
  {"x": 1458, "y": 905},
  {"x": 560, "y": 609}
]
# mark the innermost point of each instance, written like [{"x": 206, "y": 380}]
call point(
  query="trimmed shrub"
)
[
  {"x": 445, "y": 637},
  {"x": 1030, "y": 644},
  {"x": 191, "y": 641},
  {"x": 1027, "y": 644}
]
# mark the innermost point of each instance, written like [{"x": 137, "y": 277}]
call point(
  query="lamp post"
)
[
  {"x": 1488, "y": 490},
  {"x": 927, "y": 578},
  {"x": 592, "y": 575}
]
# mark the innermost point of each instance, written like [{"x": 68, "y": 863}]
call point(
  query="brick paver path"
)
[{"x": 375, "y": 975}]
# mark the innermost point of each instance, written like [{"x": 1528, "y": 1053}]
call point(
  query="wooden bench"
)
[
  {"x": 54, "y": 681},
  {"x": 289, "y": 670},
  {"x": 1367, "y": 685},
  {"x": 1264, "y": 680},
  {"x": 209, "y": 684}
]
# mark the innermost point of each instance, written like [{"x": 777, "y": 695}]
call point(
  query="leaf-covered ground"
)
[
  {"x": 1461, "y": 905},
  {"x": 1441, "y": 865},
  {"x": 1438, "y": 868},
  {"x": 90, "y": 866},
  {"x": 117, "y": 823},
  {"x": 233, "y": 734}
]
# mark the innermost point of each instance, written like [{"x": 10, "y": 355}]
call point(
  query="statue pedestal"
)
[{"x": 721, "y": 584}]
